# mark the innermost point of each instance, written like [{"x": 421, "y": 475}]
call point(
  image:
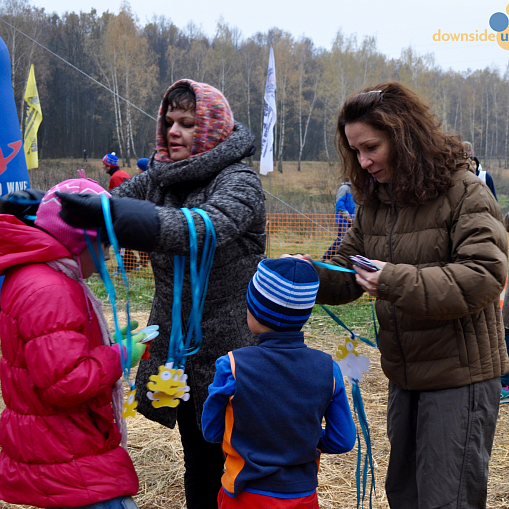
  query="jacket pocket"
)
[{"x": 459, "y": 328}]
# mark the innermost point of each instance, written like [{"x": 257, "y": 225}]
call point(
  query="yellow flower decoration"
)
[
  {"x": 348, "y": 347},
  {"x": 129, "y": 407},
  {"x": 161, "y": 399},
  {"x": 168, "y": 386},
  {"x": 167, "y": 381}
]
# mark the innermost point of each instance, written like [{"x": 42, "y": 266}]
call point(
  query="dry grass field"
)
[
  {"x": 157, "y": 452},
  {"x": 310, "y": 190}
]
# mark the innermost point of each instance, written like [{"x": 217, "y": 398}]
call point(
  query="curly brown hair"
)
[{"x": 423, "y": 157}]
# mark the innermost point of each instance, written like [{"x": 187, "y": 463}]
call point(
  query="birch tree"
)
[
  {"x": 126, "y": 65},
  {"x": 308, "y": 81}
]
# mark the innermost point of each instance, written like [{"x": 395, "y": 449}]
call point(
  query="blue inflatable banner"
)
[{"x": 13, "y": 166}]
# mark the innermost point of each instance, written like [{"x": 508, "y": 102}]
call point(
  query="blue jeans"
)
[
  {"x": 343, "y": 225},
  {"x": 112, "y": 503}
]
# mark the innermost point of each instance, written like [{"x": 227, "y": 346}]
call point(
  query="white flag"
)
[{"x": 269, "y": 118}]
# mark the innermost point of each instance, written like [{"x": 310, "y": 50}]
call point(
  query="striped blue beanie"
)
[
  {"x": 110, "y": 160},
  {"x": 282, "y": 293}
]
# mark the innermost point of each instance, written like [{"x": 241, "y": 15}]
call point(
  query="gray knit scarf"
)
[{"x": 70, "y": 268}]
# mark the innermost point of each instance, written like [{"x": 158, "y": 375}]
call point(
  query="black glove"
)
[
  {"x": 81, "y": 210},
  {"x": 136, "y": 222},
  {"x": 16, "y": 204}
]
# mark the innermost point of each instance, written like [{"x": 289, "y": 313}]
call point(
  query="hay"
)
[{"x": 157, "y": 452}]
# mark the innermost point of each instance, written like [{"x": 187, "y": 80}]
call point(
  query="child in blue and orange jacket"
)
[{"x": 267, "y": 402}]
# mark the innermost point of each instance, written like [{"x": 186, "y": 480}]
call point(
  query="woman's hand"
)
[
  {"x": 369, "y": 280},
  {"x": 299, "y": 256}
]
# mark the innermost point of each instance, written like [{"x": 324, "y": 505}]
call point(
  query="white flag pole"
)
[{"x": 269, "y": 119}]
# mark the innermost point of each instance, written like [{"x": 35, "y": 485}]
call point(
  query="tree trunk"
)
[
  {"x": 325, "y": 130},
  {"x": 302, "y": 138},
  {"x": 282, "y": 134}
]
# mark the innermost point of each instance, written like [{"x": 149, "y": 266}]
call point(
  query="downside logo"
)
[{"x": 499, "y": 22}]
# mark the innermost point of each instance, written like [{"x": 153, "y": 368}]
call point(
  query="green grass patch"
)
[
  {"x": 141, "y": 290},
  {"x": 357, "y": 316}
]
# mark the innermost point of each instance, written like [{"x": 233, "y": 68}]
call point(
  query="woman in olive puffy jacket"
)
[{"x": 435, "y": 230}]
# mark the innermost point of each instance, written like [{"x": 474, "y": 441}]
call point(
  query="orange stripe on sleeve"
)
[
  {"x": 232, "y": 363},
  {"x": 234, "y": 462}
]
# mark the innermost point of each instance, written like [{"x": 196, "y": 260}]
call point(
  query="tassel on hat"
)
[{"x": 110, "y": 160}]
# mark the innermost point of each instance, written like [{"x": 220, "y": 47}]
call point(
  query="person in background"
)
[
  {"x": 469, "y": 150},
  {"x": 475, "y": 167},
  {"x": 61, "y": 430},
  {"x": 117, "y": 176},
  {"x": 141, "y": 164},
  {"x": 197, "y": 163},
  {"x": 484, "y": 176},
  {"x": 84, "y": 155},
  {"x": 267, "y": 402},
  {"x": 345, "y": 213},
  {"x": 438, "y": 241}
]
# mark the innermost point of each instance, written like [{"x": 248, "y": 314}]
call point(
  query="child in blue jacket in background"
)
[{"x": 267, "y": 402}]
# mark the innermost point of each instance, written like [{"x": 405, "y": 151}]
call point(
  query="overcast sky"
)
[{"x": 397, "y": 24}]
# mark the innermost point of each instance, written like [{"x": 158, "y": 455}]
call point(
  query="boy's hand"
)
[{"x": 300, "y": 256}]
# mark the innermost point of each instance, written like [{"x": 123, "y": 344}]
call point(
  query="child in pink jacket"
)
[{"x": 60, "y": 434}]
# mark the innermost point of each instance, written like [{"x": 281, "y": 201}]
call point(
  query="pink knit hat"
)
[{"x": 49, "y": 220}]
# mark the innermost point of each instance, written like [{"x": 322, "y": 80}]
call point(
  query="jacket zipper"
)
[{"x": 392, "y": 306}]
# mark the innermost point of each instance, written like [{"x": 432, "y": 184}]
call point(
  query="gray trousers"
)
[{"x": 441, "y": 446}]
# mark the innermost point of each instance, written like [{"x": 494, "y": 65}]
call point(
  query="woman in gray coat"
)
[{"x": 197, "y": 163}]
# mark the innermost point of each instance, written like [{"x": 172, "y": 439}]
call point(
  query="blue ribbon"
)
[
  {"x": 358, "y": 406},
  {"x": 100, "y": 264},
  {"x": 23, "y": 201},
  {"x": 330, "y": 266},
  {"x": 179, "y": 348},
  {"x": 353, "y": 335}
]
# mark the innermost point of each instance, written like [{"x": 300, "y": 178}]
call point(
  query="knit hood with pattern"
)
[{"x": 213, "y": 120}]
